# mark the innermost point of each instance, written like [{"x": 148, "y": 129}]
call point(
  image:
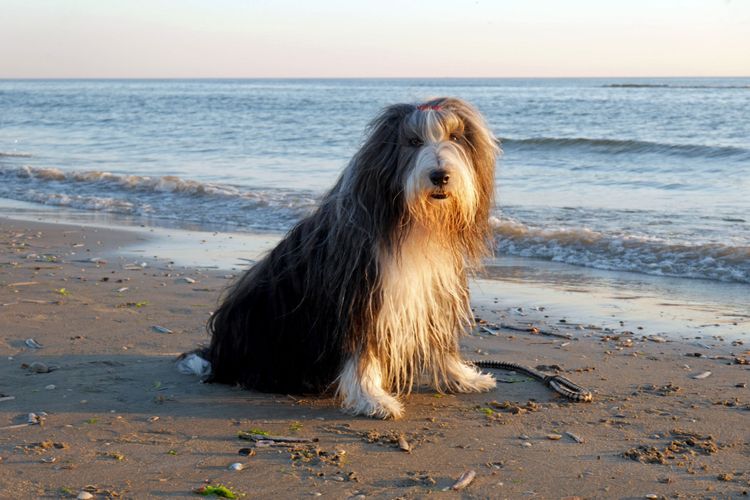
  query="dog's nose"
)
[{"x": 439, "y": 177}]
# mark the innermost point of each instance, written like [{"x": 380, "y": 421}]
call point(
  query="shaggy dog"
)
[{"x": 369, "y": 294}]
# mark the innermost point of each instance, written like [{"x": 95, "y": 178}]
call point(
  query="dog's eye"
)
[
  {"x": 455, "y": 137},
  {"x": 416, "y": 142}
]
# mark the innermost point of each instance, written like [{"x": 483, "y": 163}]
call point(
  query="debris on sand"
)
[
  {"x": 685, "y": 443},
  {"x": 217, "y": 490},
  {"x": 515, "y": 408},
  {"x": 575, "y": 437},
  {"x": 254, "y": 435},
  {"x": 646, "y": 455},
  {"x": 663, "y": 390},
  {"x": 33, "y": 344},
  {"x": 464, "y": 480},
  {"x": 403, "y": 444}
]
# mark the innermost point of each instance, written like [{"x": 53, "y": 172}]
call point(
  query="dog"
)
[{"x": 368, "y": 296}]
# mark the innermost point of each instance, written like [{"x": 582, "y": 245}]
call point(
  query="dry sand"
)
[{"x": 118, "y": 420}]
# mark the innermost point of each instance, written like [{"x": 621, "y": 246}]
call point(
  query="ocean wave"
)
[
  {"x": 615, "y": 146},
  {"x": 670, "y": 86},
  {"x": 164, "y": 197},
  {"x": 584, "y": 247},
  {"x": 14, "y": 154}
]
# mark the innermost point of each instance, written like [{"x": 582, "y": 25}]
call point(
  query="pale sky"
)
[{"x": 385, "y": 38}]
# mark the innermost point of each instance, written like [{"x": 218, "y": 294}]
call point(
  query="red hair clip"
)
[{"x": 425, "y": 107}]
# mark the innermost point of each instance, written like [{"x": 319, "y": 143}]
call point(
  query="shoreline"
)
[{"x": 128, "y": 423}]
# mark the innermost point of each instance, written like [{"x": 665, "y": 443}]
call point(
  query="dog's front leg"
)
[
  {"x": 360, "y": 388},
  {"x": 461, "y": 377}
]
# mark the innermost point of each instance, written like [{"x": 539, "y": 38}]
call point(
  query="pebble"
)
[
  {"x": 161, "y": 329},
  {"x": 50, "y": 387},
  {"x": 526, "y": 444},
  {"x": 701, "y": 376},
  {"x": 39, "y": 367},
  {"x": 554, "y": 437},
  {"x": 84, "y": 495},
  {"x": 236, "y": 466},
  {"x": 187, "y": 280}
]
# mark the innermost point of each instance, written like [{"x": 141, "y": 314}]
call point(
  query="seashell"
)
[
  {"x": 464, "y": 480},
  {"x": 701, "y": 376},
  {"x": 403, "y": 444},
  {"x": 33, "y": 344}
]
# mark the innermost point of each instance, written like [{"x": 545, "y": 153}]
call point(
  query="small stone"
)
[
  {"x": 84, "y": 495},
  {"x": 187, "y": 280},
  {"x": 39, "y": 367},
  {"x": 554, "y": 437},
  {"x": 526, "y": 444},
  {"x": 236, "y": 466},
  {"x": 50, "y": 387},
  {"x": 161, "y": 329}
]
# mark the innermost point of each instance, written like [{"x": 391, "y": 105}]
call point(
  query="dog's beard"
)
[{"x": 448, "y": 208}]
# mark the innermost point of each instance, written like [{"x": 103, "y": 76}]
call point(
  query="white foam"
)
[{"x": 622, "y": 252}]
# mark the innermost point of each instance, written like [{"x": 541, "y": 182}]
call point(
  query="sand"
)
[{"x": 116, "y": 419}]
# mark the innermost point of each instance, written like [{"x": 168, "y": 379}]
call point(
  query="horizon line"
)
[{"x": 9, "y": 78}]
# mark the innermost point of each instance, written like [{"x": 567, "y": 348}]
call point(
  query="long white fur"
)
[{"x": 418, "y": 282}]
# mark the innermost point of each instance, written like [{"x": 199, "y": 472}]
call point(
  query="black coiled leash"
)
[{"x": 558, "y": 383}]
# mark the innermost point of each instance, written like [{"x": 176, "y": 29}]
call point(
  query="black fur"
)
[{"x": 291, "y": 320}]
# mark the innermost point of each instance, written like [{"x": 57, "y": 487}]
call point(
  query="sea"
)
[{"x": 644, "y": 178}]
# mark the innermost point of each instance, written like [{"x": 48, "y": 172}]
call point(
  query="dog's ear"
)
[
  {"x": 382, "y": 144},
  {"x": 372, "y": 184}
]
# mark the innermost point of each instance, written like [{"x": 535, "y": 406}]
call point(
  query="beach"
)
[{"x": 92, "y": 319}]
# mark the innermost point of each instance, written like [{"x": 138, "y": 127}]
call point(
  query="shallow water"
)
[{"x": 641, "y": 175}]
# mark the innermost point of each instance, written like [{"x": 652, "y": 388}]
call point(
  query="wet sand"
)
[{"x": 115, "y": 418}]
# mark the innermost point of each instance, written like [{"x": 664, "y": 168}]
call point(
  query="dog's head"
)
[{"x": 435, "y": 160}]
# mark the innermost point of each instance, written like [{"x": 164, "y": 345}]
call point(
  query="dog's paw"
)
[
  {"x": 481, "y": 382},
  {"x": 469, "y": 379},
  {"x": 382, "y": 406}
]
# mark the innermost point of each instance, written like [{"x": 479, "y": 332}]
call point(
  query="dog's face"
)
[
  {"x": 435, "y": 160},
  {"x": 440, "y": 172}
]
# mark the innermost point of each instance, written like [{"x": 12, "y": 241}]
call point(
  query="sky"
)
[{"x": 385, "y": 38}]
